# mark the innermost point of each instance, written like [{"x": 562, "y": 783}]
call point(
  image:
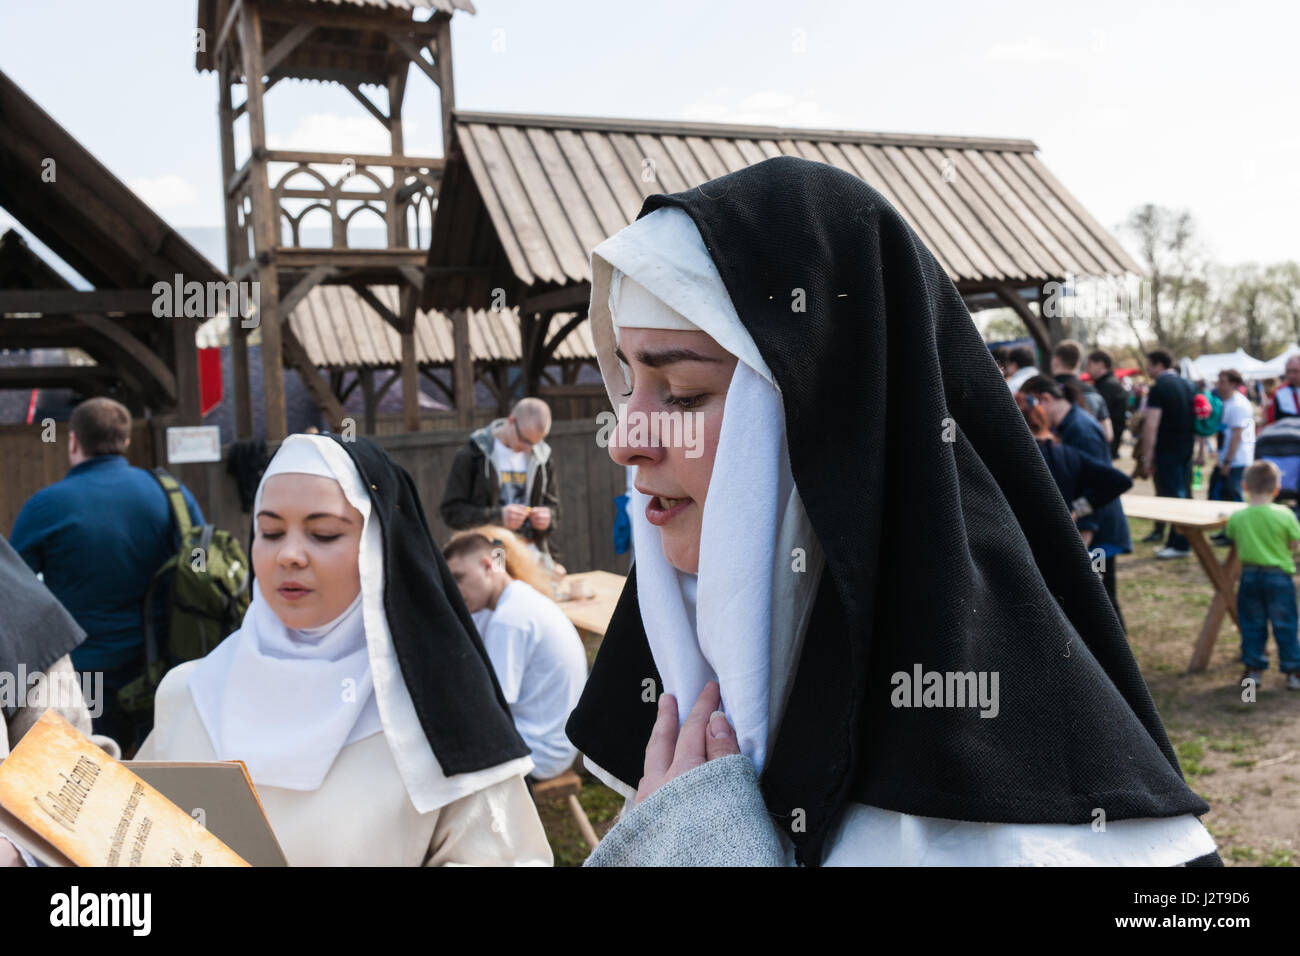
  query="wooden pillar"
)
[
  {"x": 446, "y": 89},
  {"x": 410, "y": 366},
  {"x": 236, "y": 254},
  {"x": 397, "y": 238},
  {"x": 266, "y": 225},
  {"x": 462, "y": 369},
  {"x": 367, "y": 377}
]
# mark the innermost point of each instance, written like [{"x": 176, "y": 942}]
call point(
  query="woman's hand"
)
[
  {"x": 706, "y": 735},
  {"x": 9, "y": 855}
]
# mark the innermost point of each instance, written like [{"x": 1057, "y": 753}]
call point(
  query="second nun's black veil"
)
[
  {"x": 444, "y": 664},
  {"x": 947, "y": 544}
]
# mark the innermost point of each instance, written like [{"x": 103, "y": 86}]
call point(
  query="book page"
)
[{"x": 94, "y": 810}]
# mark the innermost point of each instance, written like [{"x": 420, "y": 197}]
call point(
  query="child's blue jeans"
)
[{"x": 1264, "y": 595}]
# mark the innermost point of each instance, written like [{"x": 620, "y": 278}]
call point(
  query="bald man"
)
[{"x": 504, "y": 476}]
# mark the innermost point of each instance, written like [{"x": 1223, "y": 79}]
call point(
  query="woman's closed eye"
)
[
  {"x": 322, "y": 538},
  {"x": 685, "y": 401}
]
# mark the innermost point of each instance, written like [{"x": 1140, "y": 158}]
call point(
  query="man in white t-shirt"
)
[
  {"x": 1237, "y": 438},
  {"x": 537, "y": 655},
  {"x": 504, "y": 475}
]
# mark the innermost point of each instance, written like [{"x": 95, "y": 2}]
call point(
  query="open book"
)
[{"x": 68, "y": 803}]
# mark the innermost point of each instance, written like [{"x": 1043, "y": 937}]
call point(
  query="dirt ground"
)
[{"x": 1242, "y": 758}]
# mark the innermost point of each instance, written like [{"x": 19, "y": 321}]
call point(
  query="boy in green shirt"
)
[{"x": 1264, "y": 534}]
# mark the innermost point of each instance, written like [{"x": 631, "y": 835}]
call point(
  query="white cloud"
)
[
  {"x": 168, "y": 191},
  {"x": 763, "y": 108}
]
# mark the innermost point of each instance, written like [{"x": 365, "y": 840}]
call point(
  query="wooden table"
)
[
  {"x": 1192, "y": 517},
  {"x": 592, "y": 614}
]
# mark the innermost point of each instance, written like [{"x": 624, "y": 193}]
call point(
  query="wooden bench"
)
[{"x": 566, "y": 787}]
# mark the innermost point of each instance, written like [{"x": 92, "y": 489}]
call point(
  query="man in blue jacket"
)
[{"x": 97, "y": 537}]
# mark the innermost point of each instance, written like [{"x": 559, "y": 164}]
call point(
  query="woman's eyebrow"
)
[
  {"x": 313, "y": 515},
  {"x": 661, "y": 357}
]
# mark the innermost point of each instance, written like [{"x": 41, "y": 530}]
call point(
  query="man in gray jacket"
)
[{"x": 504, "y": 475}]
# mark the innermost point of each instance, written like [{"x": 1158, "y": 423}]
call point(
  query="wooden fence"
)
[{"x": 588, "y": 483}]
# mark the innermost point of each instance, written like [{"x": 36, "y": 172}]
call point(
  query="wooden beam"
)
[
  {"x": 385, "y": 313},
  {"x": 462, "y": 369},
  {"x": 295, "y": 354},
  {"x": 375, "y": 111},
  {"x": 288, "y": 43},
  {"x": 304, "y": 285},
  {"x": 68, "y": 301},
  {"x": 136, "y": 351},
  {"x": 231, "y": 15},
  {"x": 366, "y": 376},
  {"x": 414, "y": 275},
  {"x": 577, "y": 296},
  {"x": 236, "y": 252},
  {"x": 446, "y": 86},
  {"x": 548, "y": 350},
  {"x": 54, "y": 376},
  {"x": 361, "y": 159},
  {"x": 266, "y": 226},
  {"x": 324, "y": 16},
  {"x": 410, "y": 366},
  {"x": 413, "y": 51}
]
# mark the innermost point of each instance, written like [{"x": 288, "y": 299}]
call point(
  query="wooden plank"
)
[
  {"x": 970, "y": 185},
  {"x": 413, "y": 52},
  {"x": 1078, "y": 231},
  {"x": 545, "y": 204},
  {"x": 1081, "y": 214},
  {"x": 68, "y": 301},
  {"x": 1029, "y": 209},
  {"x": 1008, "y": 208},
  {"x": 1066, "y": 245},
  {"x": 930, "y": 190},
  {"x": 319, "y": 389},
  {"x": 956, "y": 193},
  {"x": 287, "y": 44},
  {"x": 669, "y": 178},
  {"x": 707, "y": 156},
  {"x": 266, "y": 228},
  {"x": 905, "y": 201},
  {"x": 595, "y": 188},
  {"x": 624, "y": 182},
  {"x": 692, "y": 172},
  {"x": 521, "y": 220},
  {"x": 573, "y": 200},
  {"x": 1192, "y": 512},
  {"x": 750, "y": 151},
  {"x": 729, "y": 154},
  {"x": 360, "y": 159}
]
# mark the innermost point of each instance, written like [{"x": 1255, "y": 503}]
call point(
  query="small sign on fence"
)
[{"x": 193, "y": 443}]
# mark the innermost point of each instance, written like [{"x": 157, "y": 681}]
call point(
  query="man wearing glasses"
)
[{"x": 504, "y": 476}]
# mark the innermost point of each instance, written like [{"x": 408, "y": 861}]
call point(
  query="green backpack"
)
[{"x": 210, "y": 579}]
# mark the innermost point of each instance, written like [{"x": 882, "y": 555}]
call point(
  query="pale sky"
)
[{"x": 1182, "y": 104}]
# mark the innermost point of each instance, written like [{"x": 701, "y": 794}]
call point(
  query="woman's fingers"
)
[
  {"x": 720, "y": 739},
  {"x": 690, "y": 743},
  {"x": 663, "y": 738}
]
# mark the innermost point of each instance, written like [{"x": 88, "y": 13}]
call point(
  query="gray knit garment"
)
[{"x": 710, "y": 816}]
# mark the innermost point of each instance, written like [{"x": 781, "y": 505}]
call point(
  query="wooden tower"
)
[{"x": 359, "y": 45}]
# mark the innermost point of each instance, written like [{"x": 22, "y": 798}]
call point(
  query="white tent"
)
[
  {"x": 1276, "y": 366},
  {"x": 1208, "y": 367}
]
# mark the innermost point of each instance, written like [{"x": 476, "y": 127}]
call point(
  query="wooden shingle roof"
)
[
  {"x": 340, "y": 330},
  {"x": 551, "y": 188}
]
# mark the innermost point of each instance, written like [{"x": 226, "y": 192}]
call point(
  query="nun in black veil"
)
[{"x": 863, "y": 563}]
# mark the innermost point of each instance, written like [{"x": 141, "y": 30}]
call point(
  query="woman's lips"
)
[
  {"x": 660, "y": 510},
  {"x": 293, "y": 592}
]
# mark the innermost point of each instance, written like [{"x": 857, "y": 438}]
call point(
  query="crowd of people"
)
[
  {"x": 1177, "y": 427},
  {"x": 842, "y": 642}
]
